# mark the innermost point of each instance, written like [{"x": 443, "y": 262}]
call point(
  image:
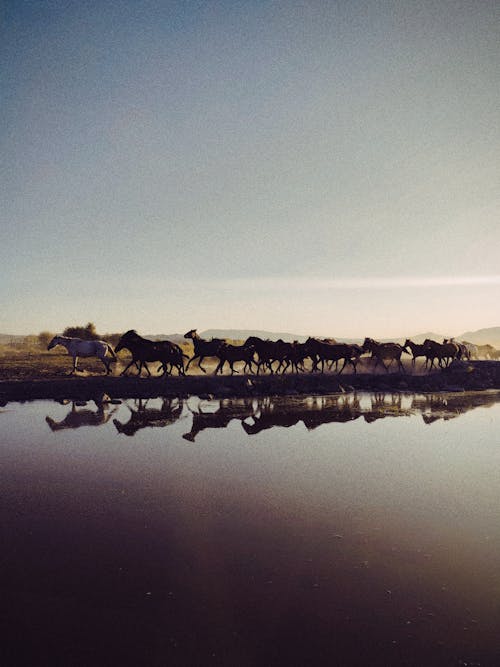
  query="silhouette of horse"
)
[
  {"x": 203, "y": 348},
  {"x": 296, "y": 355},
  {"x": 265, "y": 350},
  {"x": 77, "y": 347},
  {"x": 233, "y": 353},
  {"x": 333, "y": 353},
  {"x": 416, "y": 350},
  {"x": 443, "y": 352},
  {"x": 384, "y": 351},
  {"x": 144, "y": 350}
]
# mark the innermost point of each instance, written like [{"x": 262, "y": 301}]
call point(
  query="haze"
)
[{"x": 317, "y": 167}]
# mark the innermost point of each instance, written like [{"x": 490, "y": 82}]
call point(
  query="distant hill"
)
[
  {"x": 432, "y": 335},
  {"x": 175, "y": 338},
  {"x": 482, "y": 336},
  {"x": 489, "y": 335}
]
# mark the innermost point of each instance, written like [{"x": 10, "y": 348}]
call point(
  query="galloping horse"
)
[
  {"x": 380, "y": 351},
  {"x": 233, "y": 353},
  {"x": 203, "y": 348},
  {"x": 144, "y": 350},
  {"x": 77, "y": 347},
  {"x": 333, "y": 353},
  {"x": 443, "y": 352},
  {"x": 416, "y": 350}
]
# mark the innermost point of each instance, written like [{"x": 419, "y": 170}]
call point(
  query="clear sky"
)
[{"x": 328, "y": 167}]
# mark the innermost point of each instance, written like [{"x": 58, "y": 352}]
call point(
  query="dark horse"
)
[
  {"x": 144, "y": 350},
  {"x": 203, "y": 348}
]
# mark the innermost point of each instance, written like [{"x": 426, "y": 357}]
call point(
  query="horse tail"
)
[{"x": 110, "y": 349}]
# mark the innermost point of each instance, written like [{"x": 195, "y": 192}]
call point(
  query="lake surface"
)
[{"x": 360, "y": 529}]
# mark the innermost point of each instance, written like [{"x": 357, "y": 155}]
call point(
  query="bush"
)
[{"x": 87, "y": 332}]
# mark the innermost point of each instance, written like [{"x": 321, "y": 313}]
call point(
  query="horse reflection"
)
[
  {"x": 227, "y": 410},
  {"x": 385, "y": 404},
  {"x": 168, "y": 413},
  {"x": 311, "y": 412},
  {"x": 336, "y": 409},
  {"x": 77, "y": 417},
  {"x": 446, "y": 406}
]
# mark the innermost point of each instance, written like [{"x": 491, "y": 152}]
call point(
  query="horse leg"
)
[
  {"x": 140, "y": 366},
  {"x": 75, "y": 363},
  {"x": 199, "y": 363},
  {"x": 343, "y": 366},
  {"x": 106, "y": 365},
  {"x": 124, "y": 371},
  {"x": 163, "y": 367}
]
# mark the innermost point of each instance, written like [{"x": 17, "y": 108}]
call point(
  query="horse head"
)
[
  {"x": 129, "y": 335},
  {"x": 367, "y": 344},
  {"x": 191, "y": 334},
  {"x": 53, "y": 342}
]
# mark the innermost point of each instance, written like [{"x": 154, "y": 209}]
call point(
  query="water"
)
[{"x": 355, "y": 530}]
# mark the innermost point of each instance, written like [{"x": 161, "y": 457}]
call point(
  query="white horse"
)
[{"x": 77, "y": 347}]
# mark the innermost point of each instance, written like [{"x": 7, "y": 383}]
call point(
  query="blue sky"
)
[{"x": 317, "y": 167}]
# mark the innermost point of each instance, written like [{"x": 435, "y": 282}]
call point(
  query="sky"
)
[{"x": 324, "y": 168}]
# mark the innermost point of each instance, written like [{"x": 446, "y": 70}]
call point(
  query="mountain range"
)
[
  {"x": 489, "y": 335},
  {"x": 480, "y": 337}
]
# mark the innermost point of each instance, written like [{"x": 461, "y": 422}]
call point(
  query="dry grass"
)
[{"x": 32, "y": 361}]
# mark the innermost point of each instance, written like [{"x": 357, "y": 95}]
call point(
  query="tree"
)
[{"x": 87, "y": 332}]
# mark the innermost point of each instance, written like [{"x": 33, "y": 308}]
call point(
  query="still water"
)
[{"x": 342, "y": 530}]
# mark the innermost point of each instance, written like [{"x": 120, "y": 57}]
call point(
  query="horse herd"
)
[{"x": 259, "y": 355}]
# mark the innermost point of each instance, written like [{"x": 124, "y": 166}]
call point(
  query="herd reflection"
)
[{"x": 260, "y": 414}]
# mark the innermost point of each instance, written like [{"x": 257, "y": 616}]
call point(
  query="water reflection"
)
[
  {"x": 83, "y": 416},
  {"x": 371, "y": 543},
  {"x": 260, "y": 414},
  {"x": 219, "y": 414},
  {"x": 142, "y": 416}
]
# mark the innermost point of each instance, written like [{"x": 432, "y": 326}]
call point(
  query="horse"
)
[
  {"x": 333, "y": 353},
  {"x": 233, "y": 353},
  {"x": 76, "y": 347},
  {"x": 144, "y": 350},
  {"x": 469, "y": 350},
  {"x": 381, "y": 351},
  {"x": 443, "y": 352},
  {"x": 203, "y": 348},
  {"x": 265, "y": 349},
  {"x": 296, "y": 355},
  {"x": 416, "y": 350}
]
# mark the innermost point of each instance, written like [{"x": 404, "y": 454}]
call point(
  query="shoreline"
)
[{"x": 460, "y": 376}]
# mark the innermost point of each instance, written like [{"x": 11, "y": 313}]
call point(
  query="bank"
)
[{"x": 470, "y": 376}]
